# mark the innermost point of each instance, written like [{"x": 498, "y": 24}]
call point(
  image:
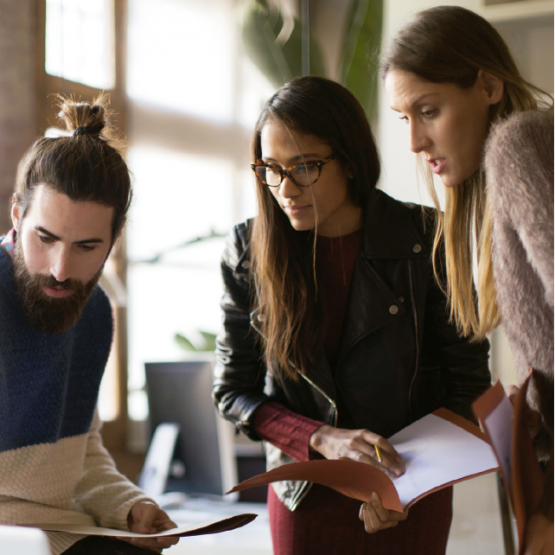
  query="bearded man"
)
[{"x": 71, "y": 200}]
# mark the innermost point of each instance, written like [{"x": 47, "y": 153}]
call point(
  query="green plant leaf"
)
[
  {"x": 209, "y": 340},
  {"x": 184, "y": 343},
  {"x": 293, "y": 53},
  {"x": 260, "y": 26},
  {"x": 361, "y": 46},
  {"x": 278, "y": 60}
]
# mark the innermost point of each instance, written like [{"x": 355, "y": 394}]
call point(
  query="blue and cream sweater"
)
[{"x": 53, "y": 467}]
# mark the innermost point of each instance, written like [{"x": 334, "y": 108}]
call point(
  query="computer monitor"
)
[{"x": 180, "y": 392}]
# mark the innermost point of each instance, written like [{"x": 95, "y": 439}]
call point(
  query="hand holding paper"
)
[
  {"x": 438, "y": 450},
  {"x": 376, "y": 517},
  {"x": 147, "y": 518},
  {"x": 357, "y": 445}
]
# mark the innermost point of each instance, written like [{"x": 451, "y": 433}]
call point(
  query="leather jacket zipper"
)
[
  {"x": 413, "y": 300},
  {"x": 301, "y": 494},
  {"x": 330, "y": 400}
]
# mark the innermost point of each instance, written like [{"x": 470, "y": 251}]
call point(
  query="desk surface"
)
[{"x": 252, "y": 539}]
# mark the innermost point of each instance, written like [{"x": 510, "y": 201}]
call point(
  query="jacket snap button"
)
[
  {"x": 246, "y": 264},
  {"x": 417, "y": 248},
  {"x": 393, "y": 309}
]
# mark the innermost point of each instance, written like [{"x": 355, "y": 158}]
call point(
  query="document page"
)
[
  {"x": 499, "y": 425},
  {"x": 437, "y": 452},
  {"x": 210, "y": 527}
]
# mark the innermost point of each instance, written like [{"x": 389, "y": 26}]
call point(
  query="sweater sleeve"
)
[
  {"x": 519, "y": 169},
  {"x": 102, "y": 491},
  {"x": 285, "y": 429}
]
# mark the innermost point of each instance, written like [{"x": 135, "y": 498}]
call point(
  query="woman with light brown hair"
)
[
  {"x": 487, "y": 135},
  {"x": 335, "y": 333}
]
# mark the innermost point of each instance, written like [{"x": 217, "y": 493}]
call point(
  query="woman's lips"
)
[
  {"x": 57, "y": 292},
  {"x": 296, "y": 210},
  {"x": 437, "y": 164}
]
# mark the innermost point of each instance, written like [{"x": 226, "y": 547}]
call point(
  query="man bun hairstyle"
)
[{"x": 86, "y": 165}]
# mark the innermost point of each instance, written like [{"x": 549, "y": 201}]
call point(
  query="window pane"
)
[
  {"x": 180, "y": 56},
  {"x": 80, "y": 41},
  {"x": 176, "y": 198}
]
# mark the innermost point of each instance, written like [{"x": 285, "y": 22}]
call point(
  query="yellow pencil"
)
[{"x": 378, "y": 453}]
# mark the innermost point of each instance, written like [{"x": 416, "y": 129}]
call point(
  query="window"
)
[
  {"x": 193, "y": 103},
  {"x": 80, "y": 47},
  {"x": 80, "y": 41}
]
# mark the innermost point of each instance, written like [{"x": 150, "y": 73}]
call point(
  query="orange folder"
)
[
  {"x": 522, "y": 474},
  {"x": 358, "y": 480}
]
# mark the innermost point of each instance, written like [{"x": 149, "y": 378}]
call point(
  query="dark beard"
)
[{"x": 48, "y": 314}]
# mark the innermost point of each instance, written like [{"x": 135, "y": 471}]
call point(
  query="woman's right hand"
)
[{"x": 357, "y": 445}]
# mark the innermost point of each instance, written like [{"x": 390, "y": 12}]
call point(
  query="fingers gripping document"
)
[{"x": 438, "y": 450}]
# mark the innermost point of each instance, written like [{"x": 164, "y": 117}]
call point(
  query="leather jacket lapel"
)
[{"x": 372, "y": 304}]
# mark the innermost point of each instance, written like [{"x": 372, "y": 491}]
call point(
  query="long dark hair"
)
[
  {"x": 287, "y": 297},
  {"x": 450, "y": 44},
  {"x": 85, "y": 166}
]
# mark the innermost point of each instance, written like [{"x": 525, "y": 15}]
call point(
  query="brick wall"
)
[{"x": 17, "y": 93}]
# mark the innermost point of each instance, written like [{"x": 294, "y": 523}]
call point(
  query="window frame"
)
[{"x": 114, "y": 432}]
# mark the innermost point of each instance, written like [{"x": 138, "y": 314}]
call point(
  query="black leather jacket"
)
[{"x": 399, "y": 358}]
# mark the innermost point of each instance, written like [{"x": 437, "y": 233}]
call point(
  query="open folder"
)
[
  {"x": 212, "y": 527},
  {"x": 513, "y": 448},
  {"x": 438, "y": 450}
]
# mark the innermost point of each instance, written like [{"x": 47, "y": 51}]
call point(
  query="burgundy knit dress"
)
[{"x": 325, "y": 521}]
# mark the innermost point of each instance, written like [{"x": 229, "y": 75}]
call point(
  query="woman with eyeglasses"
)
[
  {"x": 488, "y": 136},
  {"x": 335, "y": 333}
]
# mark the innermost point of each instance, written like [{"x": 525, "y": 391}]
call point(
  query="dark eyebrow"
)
[
  {"x": 56, "y": 238},
  {"x": 300, "y": 157}
]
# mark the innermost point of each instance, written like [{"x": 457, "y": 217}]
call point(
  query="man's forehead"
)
[{"x": 66, "y": 218}]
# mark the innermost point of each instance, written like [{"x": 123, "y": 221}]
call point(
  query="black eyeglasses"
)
[{"x": 301, "y": 175}]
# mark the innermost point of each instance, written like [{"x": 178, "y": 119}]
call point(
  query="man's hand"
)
[
  {"x": 376, "y": 518},
  {"x": 357, "y": 445},
  {"x": 539, "y": 536},
  {"x": 147, "y": 518}
]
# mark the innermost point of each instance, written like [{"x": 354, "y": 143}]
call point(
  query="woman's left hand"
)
[{"x": 376, "y": 517}]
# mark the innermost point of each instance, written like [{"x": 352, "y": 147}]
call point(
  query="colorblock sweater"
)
[{"x": 53, "y": 467}]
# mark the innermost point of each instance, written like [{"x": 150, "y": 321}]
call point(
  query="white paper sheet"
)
[
  {"x": 499, "y": 425},
  {"x": 437, "y": 452},
  {"x": 200, "y": 528}
]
